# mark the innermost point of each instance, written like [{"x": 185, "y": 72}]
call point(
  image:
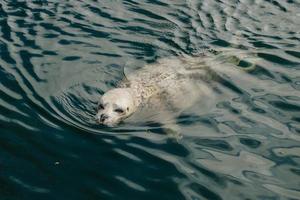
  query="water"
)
[{"x": 58, "y": 56}]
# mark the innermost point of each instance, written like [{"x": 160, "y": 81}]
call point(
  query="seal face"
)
[{"x": 114, "y": 106}]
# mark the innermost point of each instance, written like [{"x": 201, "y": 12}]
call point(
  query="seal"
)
[{"x": 169, "y": 86}]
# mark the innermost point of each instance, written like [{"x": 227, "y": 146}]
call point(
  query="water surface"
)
[{"x": 57, "y": 57}]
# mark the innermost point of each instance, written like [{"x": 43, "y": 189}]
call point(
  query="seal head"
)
[{"x": 115, "y": 105}]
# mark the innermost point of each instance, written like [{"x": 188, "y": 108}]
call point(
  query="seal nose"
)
[{"x": 103, "y": 117}]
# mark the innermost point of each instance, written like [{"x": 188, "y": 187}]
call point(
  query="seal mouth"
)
[{"x": 105, "y": 123}]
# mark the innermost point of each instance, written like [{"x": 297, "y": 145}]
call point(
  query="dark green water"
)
[{"x": 56, "y": 57}]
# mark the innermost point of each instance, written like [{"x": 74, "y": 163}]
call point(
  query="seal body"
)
[
  {"x": 159, "y": 91},
  {"x": 166, "y": 88}
]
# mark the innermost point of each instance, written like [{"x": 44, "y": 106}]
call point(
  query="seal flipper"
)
[
  {"x": 124, "y": 83},
  {"x": 129, "y": 68}
]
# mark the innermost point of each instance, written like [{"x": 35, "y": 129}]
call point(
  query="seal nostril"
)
[{"x": 103, "y": 117}]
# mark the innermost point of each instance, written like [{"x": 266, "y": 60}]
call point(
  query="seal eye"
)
[
  {"x": 100, "y": 106},
  {"x": 119, "y": 110}
]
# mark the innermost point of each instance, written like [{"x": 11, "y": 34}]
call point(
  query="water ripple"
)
[{"x": 56, "y": 58}]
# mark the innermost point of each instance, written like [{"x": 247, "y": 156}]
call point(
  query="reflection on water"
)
[{"x": 57, "y": 57}]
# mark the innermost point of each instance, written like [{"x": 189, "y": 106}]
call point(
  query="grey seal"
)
[{"x": 168, "y": 86}]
